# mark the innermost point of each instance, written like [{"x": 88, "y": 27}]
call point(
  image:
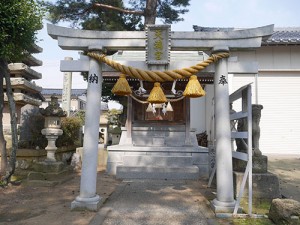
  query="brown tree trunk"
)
[
  {"x": 150, "y": 12},
  {"x": 3, "y": 66},
  {"x": 14, "y": 132}
]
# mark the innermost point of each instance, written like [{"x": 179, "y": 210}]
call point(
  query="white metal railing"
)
[{"x": 245, "y": 94}]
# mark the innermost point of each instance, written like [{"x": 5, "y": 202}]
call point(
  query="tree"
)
[
  {"x": 87, "y": 15},
  {"x": 20, "y": 20},
  {"x": 114, "y": 15}
]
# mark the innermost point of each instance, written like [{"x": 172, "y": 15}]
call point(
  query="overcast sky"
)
[{"x": 207, "y": 13}]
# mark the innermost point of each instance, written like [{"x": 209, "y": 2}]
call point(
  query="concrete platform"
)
[
  {"x": 152, "y": 172},
  {"x": 147, "y": 160},
  {"x": 158, "y": 162}
]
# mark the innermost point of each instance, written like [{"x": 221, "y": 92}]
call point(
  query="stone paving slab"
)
[
  {"x": 287, "y": 168},
  {"x": 138, "y": 202}
]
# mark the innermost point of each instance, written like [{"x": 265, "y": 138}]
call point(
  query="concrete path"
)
[{"x": 150, "y": 202}]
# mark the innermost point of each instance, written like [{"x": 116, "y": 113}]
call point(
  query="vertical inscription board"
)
[
  {"x": 66, "y": 90},
  {"x": 158, "y": 44}
]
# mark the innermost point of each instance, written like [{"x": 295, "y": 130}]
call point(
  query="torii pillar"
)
[
  {"x": 224, "y": 201},
  {"x": 88, "y": 199}
]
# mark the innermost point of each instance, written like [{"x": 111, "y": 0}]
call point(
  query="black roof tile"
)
[{"x": 284, "y": 36}]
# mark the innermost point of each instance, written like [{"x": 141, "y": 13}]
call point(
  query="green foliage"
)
[
  {"x": 20, "y": 20},
  {"x": 81, "y": 115},
  {"x": 71, "y": 131},
  {"x": 113, "y": 117},
  {"x": 252, "y": 221},
  {"x": 83, "y": 14},
  {"x": 80, "y": 13},
  {"x": 169, "y": 11}
]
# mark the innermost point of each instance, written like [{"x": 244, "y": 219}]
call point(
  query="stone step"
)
[
  {"x": 157, "y": 161},
  {"x": 151, "y": 172},
  {"x": 132, "y": 148},
  {"x": 162, "y": 140}
]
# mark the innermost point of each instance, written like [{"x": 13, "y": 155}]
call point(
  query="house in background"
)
[
  {"x": 78, "y": 103},
  {"x": 78, "y": 100},
  {"x": 78, "y": 97},
  {"x": 276, "y": 87}
]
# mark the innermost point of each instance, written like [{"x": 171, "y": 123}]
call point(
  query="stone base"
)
[
  {"x": 90, "y": 204},
  {"x": 48, "y": 167},
  {"x": 222, "y": 207},
  {"x": 160, "y": 173},
  {"x": 265, "y": 186},
  {"x": 48, "y": 174},
  {"x": 48, "y": 179},
  {"x": 259, "y": 164},
  {"x": 160, "y": 162}
]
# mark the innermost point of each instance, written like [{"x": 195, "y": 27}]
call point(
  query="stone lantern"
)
[{"x": 52, "y": 114}]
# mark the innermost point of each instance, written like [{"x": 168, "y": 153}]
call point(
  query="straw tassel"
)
[
  {"x": 193, "y": 89},
  {"x": 121, "y": 87},
  {"x": 157, "y": 95}
]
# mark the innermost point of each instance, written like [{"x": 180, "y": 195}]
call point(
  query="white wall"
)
[
  {"x": 198, "y": 114},
  {"x": 277, "y": 87}
]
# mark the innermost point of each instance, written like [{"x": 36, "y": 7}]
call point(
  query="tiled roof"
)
[
  {"x": 281, "y": 36},
  {"x": 58, "y": 92},
  {"x": 284, "y": 36}
]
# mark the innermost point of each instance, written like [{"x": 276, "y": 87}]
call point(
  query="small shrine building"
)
[{"x": 156, "y": 145}]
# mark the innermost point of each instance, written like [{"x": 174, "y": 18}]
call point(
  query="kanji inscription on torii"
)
[{"x": 158, "y": 44}]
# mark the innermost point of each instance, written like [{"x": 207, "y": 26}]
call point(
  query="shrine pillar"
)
[
  {"x": 129, "y": 121},
  {"x": 224, "y": 201},
  {"x": 88, "y": 199},
  {"x": 187, "y": 121}
]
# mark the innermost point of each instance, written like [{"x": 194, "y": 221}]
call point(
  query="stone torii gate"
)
[{"x": 213, "y": 42}]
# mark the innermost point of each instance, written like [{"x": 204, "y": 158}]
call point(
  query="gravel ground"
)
[{"x": 29, "y": 204}]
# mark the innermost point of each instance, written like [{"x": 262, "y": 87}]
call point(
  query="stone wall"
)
[{"x": 27, "y": 157}]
